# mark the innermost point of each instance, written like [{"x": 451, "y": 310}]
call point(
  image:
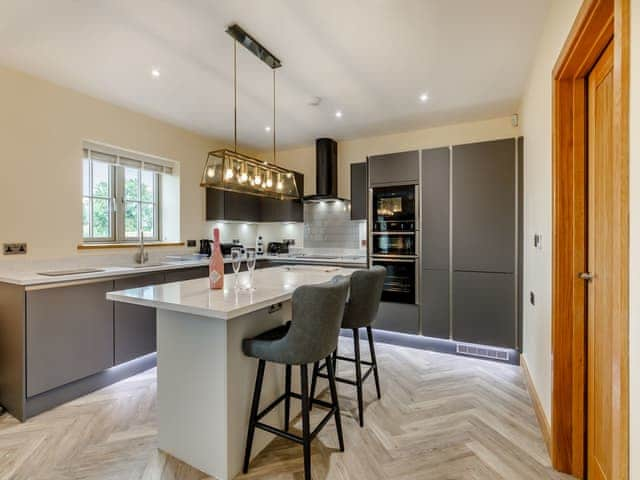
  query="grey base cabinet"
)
[
  {"x": 134, "y": 326},
  {"x": 398, "y": 317},
  {"x": 435, "y": 303},
  {"x": 69, "y": 334},
  {"x": 187, "y": 274},
  {"x": 484, "y": 308}
]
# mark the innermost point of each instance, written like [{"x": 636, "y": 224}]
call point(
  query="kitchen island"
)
[{"x": 204, "y": 380}]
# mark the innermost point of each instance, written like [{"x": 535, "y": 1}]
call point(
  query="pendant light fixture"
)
[{"x": 233, "y": 171}]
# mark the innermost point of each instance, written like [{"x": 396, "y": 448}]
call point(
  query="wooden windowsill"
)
[{"x": 98, "y": 246}]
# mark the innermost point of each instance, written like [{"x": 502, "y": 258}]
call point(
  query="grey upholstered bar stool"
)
[
  {"x": 312, "y": 335},
  {"x": 360, "y": 312}
]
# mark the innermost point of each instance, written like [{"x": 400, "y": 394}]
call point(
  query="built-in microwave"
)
[{"x": 393, "y": 208}]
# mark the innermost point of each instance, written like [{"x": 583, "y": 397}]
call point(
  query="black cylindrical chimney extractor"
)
[{"x": 326, "y": 167}]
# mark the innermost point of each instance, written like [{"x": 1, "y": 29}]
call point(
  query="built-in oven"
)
[
  {"x": 399, "y": 241},
  {"x": 400, "y": 280}
]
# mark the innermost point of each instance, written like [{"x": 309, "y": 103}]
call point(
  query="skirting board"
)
[{"x": 545, "y": 426}]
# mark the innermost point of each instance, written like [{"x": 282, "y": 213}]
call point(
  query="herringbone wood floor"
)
[{"x": 440, "y": 417}]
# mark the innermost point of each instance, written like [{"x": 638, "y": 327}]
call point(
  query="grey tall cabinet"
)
[{"x": 470, "y": 242}]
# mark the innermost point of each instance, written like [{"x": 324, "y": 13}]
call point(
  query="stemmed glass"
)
[
  {"x": 236, "y": 261},
  {"x": 251, "y": 265}
]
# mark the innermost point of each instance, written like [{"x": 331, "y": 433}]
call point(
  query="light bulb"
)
[
  {"x": 210, "y": 172},
  {"x": 243, "y": 177},
  {"x": 269, "y": 183},
  {"x": 257, "y": 180},
  {"x": 279, "y": 186},
  {"x": 228, "y": 175}
]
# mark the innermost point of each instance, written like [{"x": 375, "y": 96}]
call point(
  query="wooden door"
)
[{"x": 603, "y": 286}]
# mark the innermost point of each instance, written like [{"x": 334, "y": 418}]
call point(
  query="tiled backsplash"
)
[
  {"x": 329, "y": 225},
  {"x": 326, "y": 225}
]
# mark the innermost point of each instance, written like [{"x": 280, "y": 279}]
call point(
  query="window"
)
[{"x": 121, "y": 195}]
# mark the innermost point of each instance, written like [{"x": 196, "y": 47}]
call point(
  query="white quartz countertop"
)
[
  {"x": 271, "y": 286},
  {"x": 32, "y": 275}
]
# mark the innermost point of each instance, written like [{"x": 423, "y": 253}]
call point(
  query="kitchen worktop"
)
[
  {"x": 30, "y": 274},
  {"x": 271, "y": 286}
]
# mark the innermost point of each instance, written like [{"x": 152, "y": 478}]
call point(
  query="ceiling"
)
[{"x": 370, "y": 59}]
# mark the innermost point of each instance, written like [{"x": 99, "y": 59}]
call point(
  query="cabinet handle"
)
[{"x": 588, "y": 276}]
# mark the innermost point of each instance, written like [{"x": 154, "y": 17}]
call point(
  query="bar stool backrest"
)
[
  {"x": 317, "y": 312},
  {"x": 364, "y": 297}
]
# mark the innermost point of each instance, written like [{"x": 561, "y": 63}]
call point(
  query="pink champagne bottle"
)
[{"x": 216, "y": 265}]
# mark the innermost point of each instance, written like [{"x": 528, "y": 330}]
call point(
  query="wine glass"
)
[
  {"x": 251, "y": 265},
  {"x": 236, "y": 261}
]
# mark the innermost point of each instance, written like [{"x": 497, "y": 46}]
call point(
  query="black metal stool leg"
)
[
  {"x": 374, "y": 360},
  {"x": 287, "y": 400},
  {"x": 314, "y": 382},
  {"x": 254, "y": 414},
  {"x": 356, "y": 347},
  {"x": 306, "y": 432},
  {"x": 334, "y": 400}
]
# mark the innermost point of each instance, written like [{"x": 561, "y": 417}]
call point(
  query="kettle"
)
[{"x": 205, "y": 247}]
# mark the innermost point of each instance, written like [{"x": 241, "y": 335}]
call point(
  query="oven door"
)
[
  {"x": 400, "y": 243},
  {"x": 393, "y": 204},
  {"x": 400, "y": 281}
]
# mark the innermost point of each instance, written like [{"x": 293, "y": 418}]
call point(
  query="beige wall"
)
[
  {"x": 634, "y": 267},
  {"x": 42, "y": 127},
  {"x": 354, "y": 151},
  {"x": 535, "y": 117}
]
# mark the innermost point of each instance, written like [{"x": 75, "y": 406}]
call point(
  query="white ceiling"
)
[{"x": 369, "y": 58}]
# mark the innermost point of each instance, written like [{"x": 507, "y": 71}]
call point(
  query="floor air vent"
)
[{"x": 483, "y": 352}]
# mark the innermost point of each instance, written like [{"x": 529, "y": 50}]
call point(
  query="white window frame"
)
[{"x": 122, "y": 159}]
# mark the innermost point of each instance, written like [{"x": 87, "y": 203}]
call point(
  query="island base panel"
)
[{"x": 205, "y": 386}]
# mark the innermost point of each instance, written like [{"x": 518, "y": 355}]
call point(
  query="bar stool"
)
[
  {"x": 360, "y": 311},
  {"x": 311, "y": 335}
]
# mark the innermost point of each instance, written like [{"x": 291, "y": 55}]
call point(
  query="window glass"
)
[
  {"x": 131, "y": 217},
  {"x": 101, "y": 179},
  {"x": 147, "y": 186},
  {"x": 131, "y": 184},
  {"x": 101, "y": 218}
]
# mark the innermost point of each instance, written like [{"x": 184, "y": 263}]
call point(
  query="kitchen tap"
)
[{"x": 142, "y": 257}]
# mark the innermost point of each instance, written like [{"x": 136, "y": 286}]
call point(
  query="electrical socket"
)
[
  {"x": 191, "y": 243},
  {"x": 14, "y": 249}
]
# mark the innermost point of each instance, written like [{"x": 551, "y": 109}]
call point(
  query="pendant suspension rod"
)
[
  {"x": 274, "y": 115},
  {"x": 235, "y": 95}
]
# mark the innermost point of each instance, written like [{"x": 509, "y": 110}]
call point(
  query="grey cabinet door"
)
[
  {"x": 134, "y": 325},
  {"x": 186, "y": 274},
  {"x": 215, "y": 204},
  {"x": 435, "y": 208},
  {"x": 484, "y": 308},
  {"x": 397, "y": 317},
  {"x": 484, "y": 206},
  {"x": 359, "y": 191},
  {"x": 274, "y": 210},
  {"x": 393, "y": 168},
  {"x": 435, "y": 303},
  {"x": 69, "y": 334},
  {"x": 241, "y": 207}
]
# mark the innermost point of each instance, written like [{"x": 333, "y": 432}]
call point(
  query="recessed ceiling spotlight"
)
[
  {"x": 155, "y": 73},
  {"x": 339, "y": 114},
  {"x": 267, "y": 128},
  {"x": 424, "y": 97}
]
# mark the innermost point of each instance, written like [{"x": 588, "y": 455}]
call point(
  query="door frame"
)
[{"x": 598, "y": 22}]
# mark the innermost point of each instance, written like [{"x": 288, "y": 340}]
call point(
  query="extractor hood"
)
[{"x": 326, "y": 172}]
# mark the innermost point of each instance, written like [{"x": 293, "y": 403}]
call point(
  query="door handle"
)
[{"x": 588, "y": 276}]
